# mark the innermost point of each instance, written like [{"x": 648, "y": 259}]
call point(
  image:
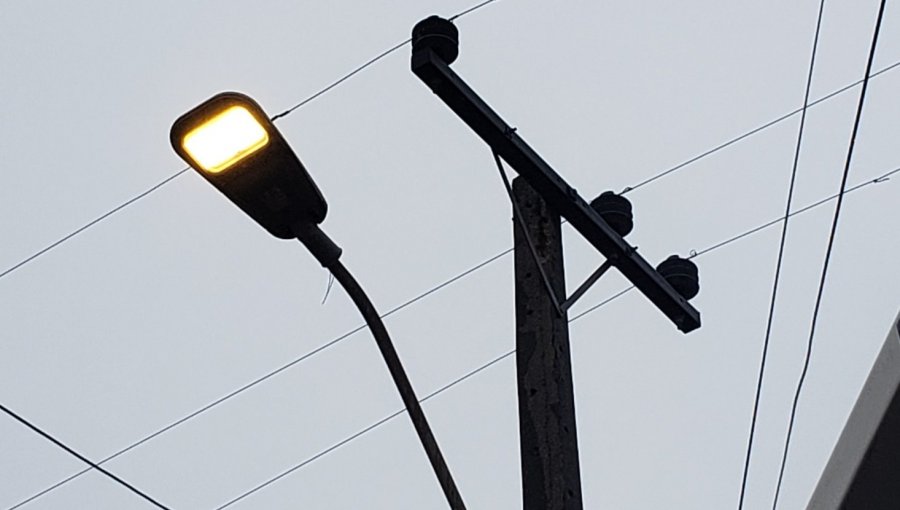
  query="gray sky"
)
[{"x": 180, "y": 299}]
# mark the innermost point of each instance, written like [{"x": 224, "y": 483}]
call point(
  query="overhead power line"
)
[
  {"x": 93, "y": 222},
  {"x": 342, "y": 79},
  {"x": 880, "y": 179},
  {"x": 414, "y": 299},
  {"x": 172, "y": 177},
  {"x": 721, "y": 244},
  {"x": 165, "y": 181},
  {"x": 378, "y": 57},
  {"x": 80, "y": 457},
  {"x": 643, "y": 183},
  {"x": 364, "y": 431},
  {"x": 828, "y": 251},
  {"x": 780, "y": 260},
  {"x": 265, "y": 377},
  {"x": 762, "y": 127},
  {"x": 470, "y": 9}
]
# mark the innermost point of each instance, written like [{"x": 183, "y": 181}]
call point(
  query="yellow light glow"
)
[{"x": 225, "y": 139}]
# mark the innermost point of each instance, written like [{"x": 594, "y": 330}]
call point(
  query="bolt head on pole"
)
[
  {"x": 439, "y": 35},
  {"x": 681, "y": 274},
  {"x": 615, "y": 211},
  {"x": 231, "y": 142}
]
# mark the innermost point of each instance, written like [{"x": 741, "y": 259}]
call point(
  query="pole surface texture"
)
[
  {"x": 398, "y": 374},
  {"x": 551, "y": 477}
]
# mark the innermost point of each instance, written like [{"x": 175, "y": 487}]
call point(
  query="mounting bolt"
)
[
  {"x": 681, "y": 274},
  {"x": 438, "y": 34},
  {"x": 615, "y": 211}
]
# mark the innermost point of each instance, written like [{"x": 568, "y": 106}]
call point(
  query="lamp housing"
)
[{"x": 230, "y": 141}]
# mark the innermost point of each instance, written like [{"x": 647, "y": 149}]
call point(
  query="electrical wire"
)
[
  {"x": 828, "y": 251},
  {"x": 284, "y": 367},
  {"x": 880, "y": 179},
  {"x": 606, "y": 301},
  {"x": 80, "y": 457},
  {"x": 342, "y": 79},
  {"x": 411, "y": 301},
  {"x": 721, "y": 244},
  {"x": 265, "y": 377},
  {"x": 93, "y": 222},
  {"x": 780, "y": 260},
  {"x": 754, "y": 131},
  {"x": 470, "y": 9},
  {"x": 394, "y": 48},
  {"x": 378, "y": 57},
  {"x": 364, "y": 431},
  {"x": 375, "y": 59},
  {"x": 172, "y": 177}
]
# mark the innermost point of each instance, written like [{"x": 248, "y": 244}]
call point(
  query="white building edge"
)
[{"x": 863, "y": 472}]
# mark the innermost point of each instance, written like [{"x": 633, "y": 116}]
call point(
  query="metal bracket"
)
[
  {"x": 435, "y": 72},
  {"x": 518, "y": 215},
  {"x": 591, "y": 280},
  {"x": 561, "y": 308}
]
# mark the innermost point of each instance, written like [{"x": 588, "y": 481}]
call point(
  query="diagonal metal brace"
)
[
  {"x": 518, "y": 216},
  {"x": 591, "y": 280},
  {"x": 561, "y": 308}
]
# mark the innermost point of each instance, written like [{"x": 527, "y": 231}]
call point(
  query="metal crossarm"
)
[{"x": 502, "y": 138}]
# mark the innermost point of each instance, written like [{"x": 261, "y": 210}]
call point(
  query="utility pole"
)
[
  {"x": 551, "y": 478},
  {"x": 540, "y": 196}
]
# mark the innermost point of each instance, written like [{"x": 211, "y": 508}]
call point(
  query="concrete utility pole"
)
[
  {"x": 551, "y": 478},
  {"x": 540, "y": 196}
]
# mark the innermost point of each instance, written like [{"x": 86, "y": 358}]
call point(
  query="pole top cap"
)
[{"x": 439, "y": 35}]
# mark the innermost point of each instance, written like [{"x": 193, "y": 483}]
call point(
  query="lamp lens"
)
[{"x": 225, "y": 139}]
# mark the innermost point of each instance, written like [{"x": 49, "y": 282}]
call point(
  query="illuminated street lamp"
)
[{"x": 232, "y": 143}]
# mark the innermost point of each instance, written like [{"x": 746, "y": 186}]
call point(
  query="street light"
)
[{"x": 232, "y": 143}]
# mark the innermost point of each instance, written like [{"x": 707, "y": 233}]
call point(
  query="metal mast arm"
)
[
  {"x": 328, "y": 254},
  {"x": 395, "y": 367}
]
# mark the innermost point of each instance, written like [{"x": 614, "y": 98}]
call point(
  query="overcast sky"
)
[{"x": 180, "y": 299}]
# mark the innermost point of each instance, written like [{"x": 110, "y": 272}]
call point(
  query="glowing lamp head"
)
[
  {"x": 225, "y": 139},
  {"x": 232, "y": 143}
]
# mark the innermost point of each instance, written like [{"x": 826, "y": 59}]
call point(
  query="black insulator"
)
[
  {"x": 615, "y": 211},
  {"x": 439, "y": 35},
  {"x": 681, "y": 274}
]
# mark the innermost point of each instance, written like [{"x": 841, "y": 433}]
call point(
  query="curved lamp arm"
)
[{"x": 328, "y": 254}]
